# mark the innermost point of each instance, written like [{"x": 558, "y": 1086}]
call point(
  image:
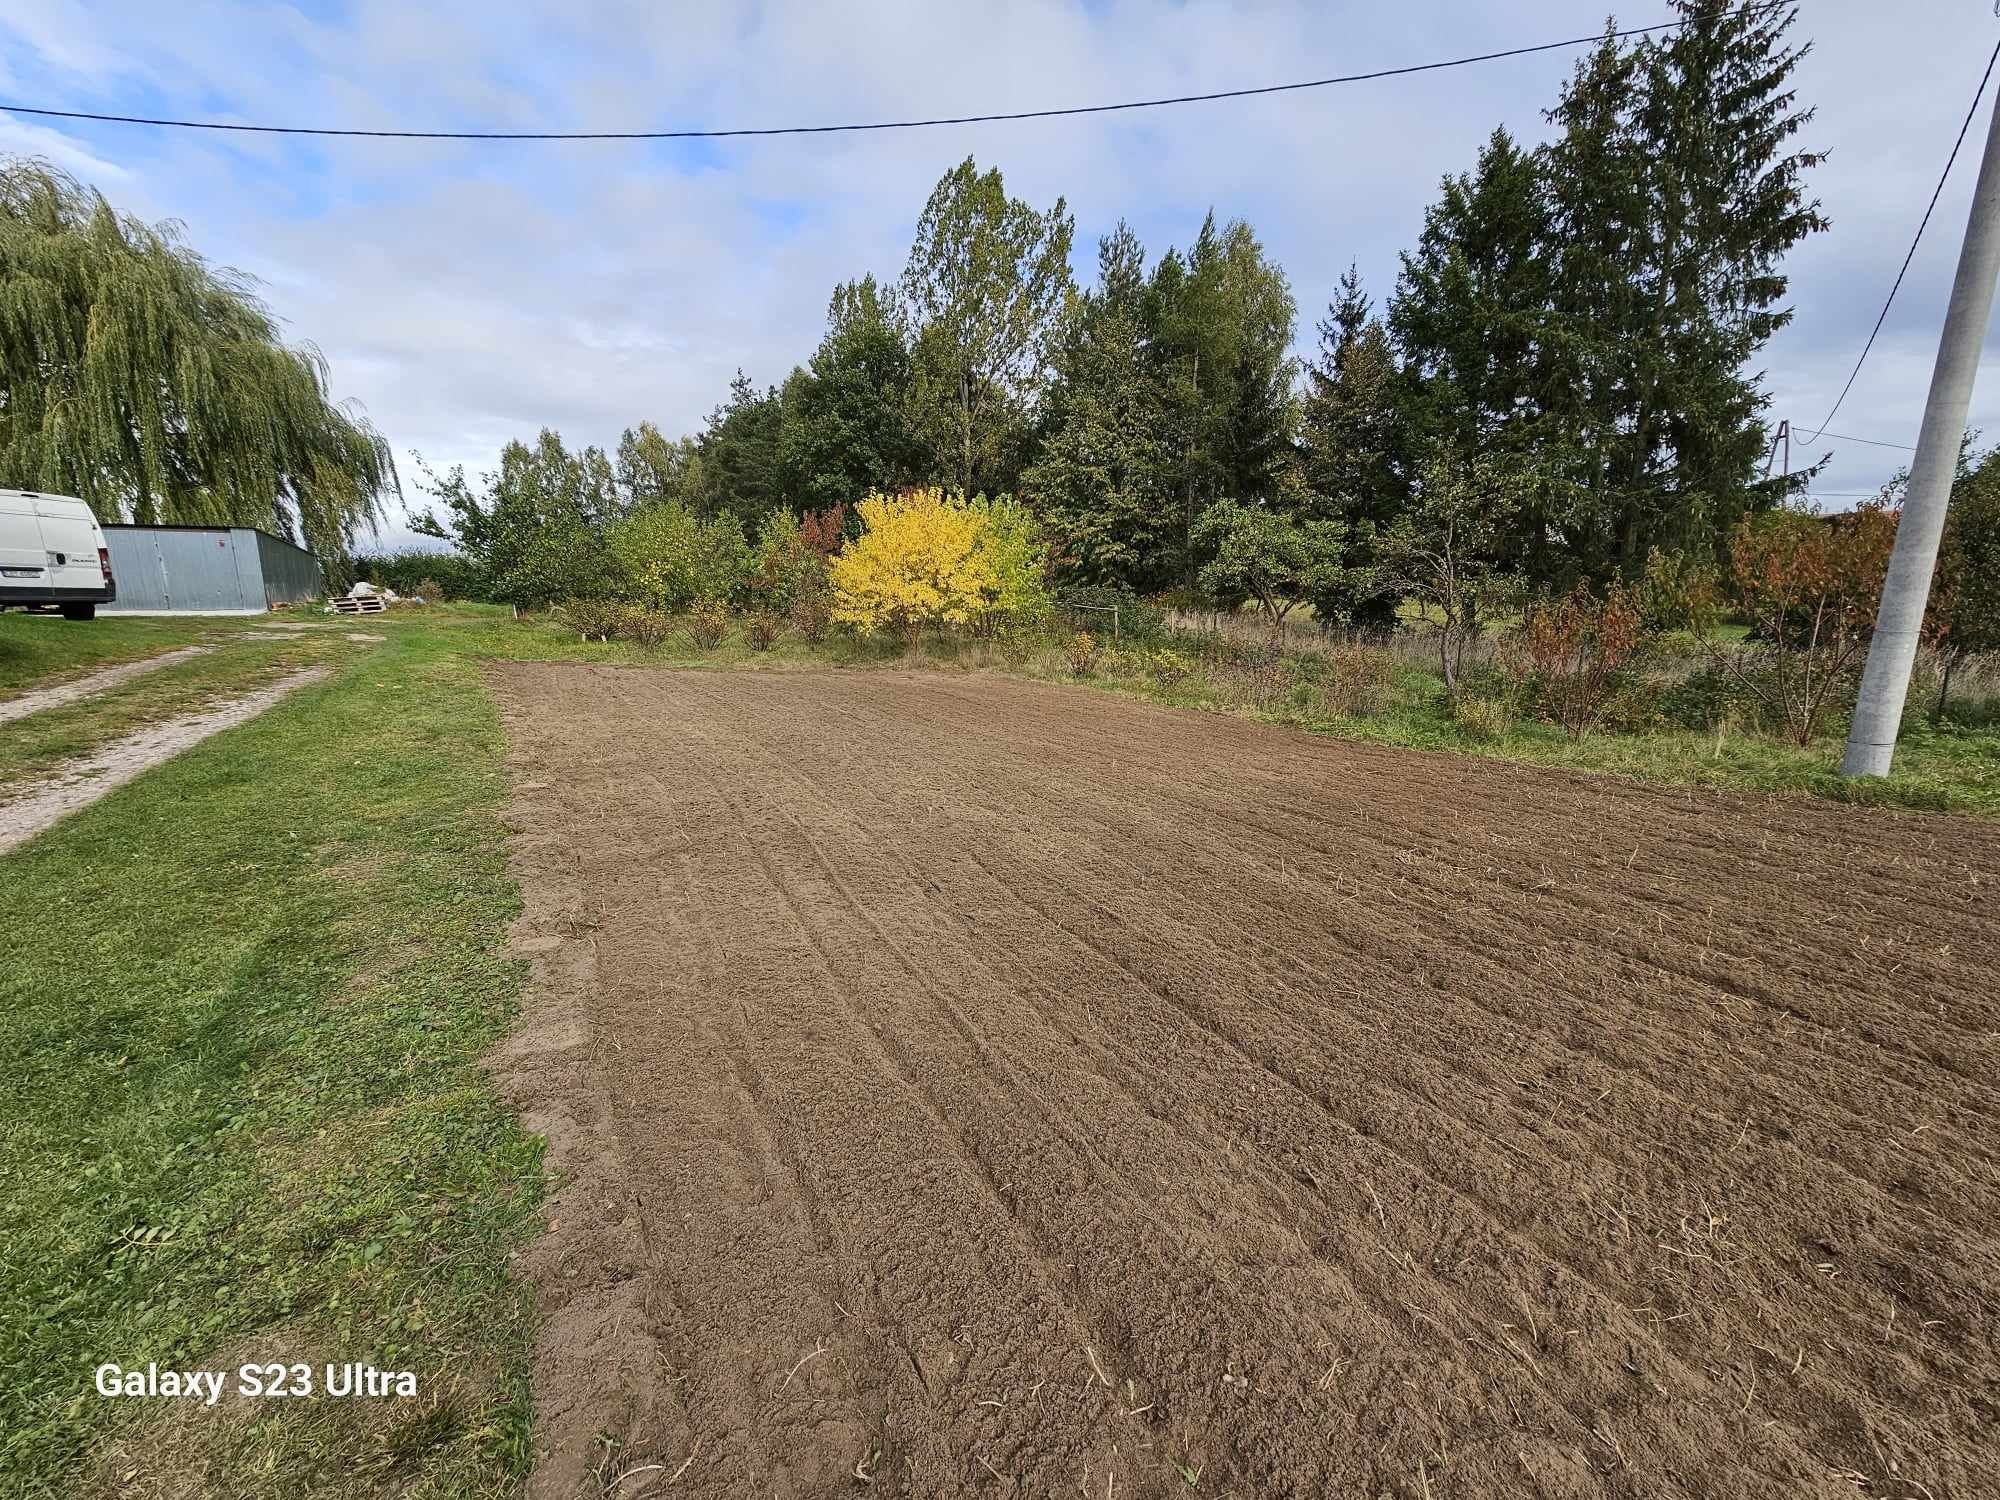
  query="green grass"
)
[
  {"x": 1943, "y": 769},
  {"x": 237, "y": 664},
  {"x": 36, "y": 650},
  {"x": 245, "y": 1116},
  {"x": 1939, "y": 768}
]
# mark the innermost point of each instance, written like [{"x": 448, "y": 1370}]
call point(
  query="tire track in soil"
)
[
  {"x": 1764, "y": 816},
  {"x": 1642, "y": 1073},
  {"x": 1640, "y": 1078},
  {"x": 986, "y": 1053},
  {"x": 1983, "y": 1277},
  {"x": 943, "y": 1024}
]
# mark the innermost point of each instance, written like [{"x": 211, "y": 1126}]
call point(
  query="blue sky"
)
[{"x": 467, "y": 294}]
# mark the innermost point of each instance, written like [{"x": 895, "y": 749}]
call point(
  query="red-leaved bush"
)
[
  {"x": 1808, "y": 585},
  {"x": 1575, "y": 646}
]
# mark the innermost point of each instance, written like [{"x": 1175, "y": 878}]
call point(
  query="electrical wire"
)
[
  {"x": 1848, "y": 437},
  {"x": 917, "y": 124},
  {"x": 1923, "y": 224}
]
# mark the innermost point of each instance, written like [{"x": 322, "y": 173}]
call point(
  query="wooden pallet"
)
[{"x": 361, "y": 604}]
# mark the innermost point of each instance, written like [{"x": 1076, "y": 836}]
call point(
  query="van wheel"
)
[{"x": 79, "y": 611}]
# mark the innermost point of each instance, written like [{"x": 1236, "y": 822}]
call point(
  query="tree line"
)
[
  {"x": 1561, "y": 383},
  {"x": 1562, "y": 375}
]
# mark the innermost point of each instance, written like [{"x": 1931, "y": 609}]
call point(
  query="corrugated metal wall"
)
[
  {"x": 206, "y": 570},
  {"x": 291, "y": 574}
]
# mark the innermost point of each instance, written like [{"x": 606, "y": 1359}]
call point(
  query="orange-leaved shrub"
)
[
  {"x": 1574, "y": 647},
  {"x": 1808, "y": 585}
]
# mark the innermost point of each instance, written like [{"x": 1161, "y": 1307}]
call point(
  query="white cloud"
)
[
  {"x": 467, "y": 294},
  {"x": 19, "y": 138}
]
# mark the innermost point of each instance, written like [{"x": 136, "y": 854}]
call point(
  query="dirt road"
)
[
  {"x": 968, "y": 1086},
  {"x": 90, "y": 685},
  {"x": 45, "y": 803}
]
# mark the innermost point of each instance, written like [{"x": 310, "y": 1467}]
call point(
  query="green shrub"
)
[
  {"x": 642, "y": 626},
  {"x": 708, "y": 623},
  {"x": 1634, "y": 708},
  {"x": 1707, "y": 697},
  {"x": 592, "y": 619},
  {"x": 1138, "y": 619},
  {"x": 1678, "y": 591},
  {"x": 671, "y": 559},
  {"x": 407, "y": 572}
]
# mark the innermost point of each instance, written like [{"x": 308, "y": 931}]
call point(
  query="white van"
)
[{"x": 52, "y": 555}]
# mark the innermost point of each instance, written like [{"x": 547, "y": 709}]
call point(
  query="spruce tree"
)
[
  {"x": 1470, "y": 305},
  {"x": 1676, "y": 188},
  {"x": 1353, "y": 428},
  {"x": 1592, "y": 311},
  {"x": 1220, "y": 322},
  {"x": 1100, "y": 482},
  {"x": 1351, "y": 419}
]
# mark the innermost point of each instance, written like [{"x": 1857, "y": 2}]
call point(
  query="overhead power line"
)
[
  {"x": 1922, "y": 225},
  {"x": 871, "y": 125},
  {"x": 1848, "y": 437}
]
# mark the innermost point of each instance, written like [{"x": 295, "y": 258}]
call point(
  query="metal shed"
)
[{"x": 207, "y": 570}]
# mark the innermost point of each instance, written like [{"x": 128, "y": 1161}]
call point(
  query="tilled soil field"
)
[{"x": 970, "y": 1086}]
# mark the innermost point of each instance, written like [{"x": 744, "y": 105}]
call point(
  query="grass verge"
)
[
  {"x": 1939, "y": 767},
  {"x": 1948, "y": 767},
  {"x": 45, "y": 741},
  {"x": 36, "y": 650},
  {"x": 247, "y": 1120}
]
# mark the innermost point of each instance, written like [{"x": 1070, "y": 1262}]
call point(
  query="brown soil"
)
[{"x": 970, "y": 1086}]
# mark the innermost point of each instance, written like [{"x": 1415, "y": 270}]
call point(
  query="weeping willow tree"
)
[{"x": 138, "y": 377}]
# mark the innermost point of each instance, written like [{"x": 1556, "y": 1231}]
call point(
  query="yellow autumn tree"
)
[{"x": 919, "y": 563}]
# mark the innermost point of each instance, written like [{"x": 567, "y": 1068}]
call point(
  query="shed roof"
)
[{"x": 269, "y": 536}]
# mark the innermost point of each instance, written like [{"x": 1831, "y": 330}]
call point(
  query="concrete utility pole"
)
[{"x": 1885, "y": 682}]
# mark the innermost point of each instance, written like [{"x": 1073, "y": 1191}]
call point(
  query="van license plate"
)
[{"x": 20, "y": 572}]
